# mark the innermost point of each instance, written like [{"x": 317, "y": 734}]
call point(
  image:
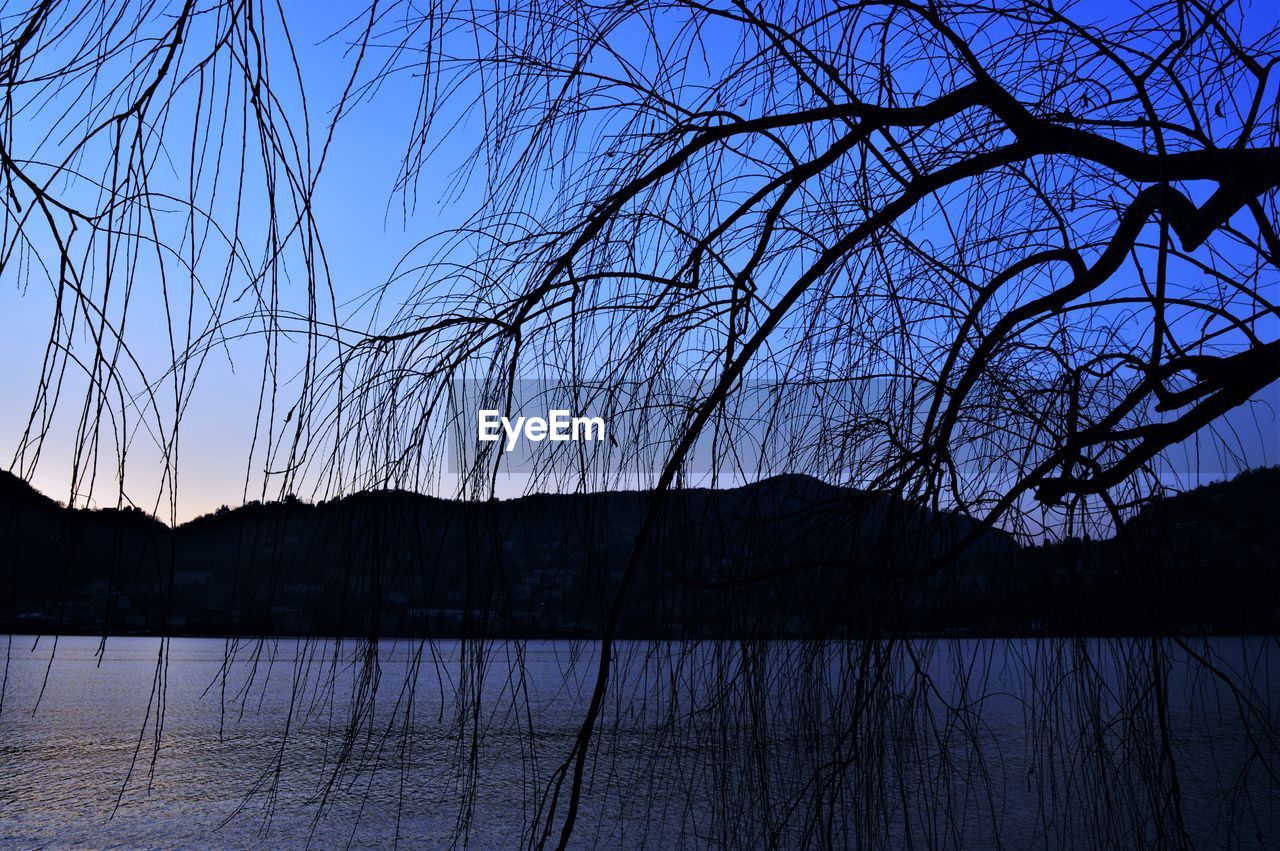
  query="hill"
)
[{"x": 787, "y": 556}]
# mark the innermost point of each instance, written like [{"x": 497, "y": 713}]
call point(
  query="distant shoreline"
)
[{"x": 788, "y": 558}]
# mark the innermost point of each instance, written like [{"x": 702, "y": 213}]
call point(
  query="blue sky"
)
[{"x": 366, "y": 233}]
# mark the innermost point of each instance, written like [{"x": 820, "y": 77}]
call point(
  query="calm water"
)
[{"x": 1036, "y": 742}]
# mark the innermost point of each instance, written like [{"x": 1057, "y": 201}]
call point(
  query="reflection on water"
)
[{"x": 284, "y": 741}]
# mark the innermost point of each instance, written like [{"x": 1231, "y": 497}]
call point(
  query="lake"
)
[{"x": 926, "y": 743}]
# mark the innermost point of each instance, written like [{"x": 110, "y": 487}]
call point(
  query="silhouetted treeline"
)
[{"x": 789, "y": 556}]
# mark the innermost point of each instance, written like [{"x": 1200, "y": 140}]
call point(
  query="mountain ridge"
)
[{"x": 798, "y": 555}]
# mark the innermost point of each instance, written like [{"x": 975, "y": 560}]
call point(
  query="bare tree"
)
[
  {"x": 1041, "y": 247},
  {"x": 1015, "y": 251},
  {"x": 158, "y": 161}
]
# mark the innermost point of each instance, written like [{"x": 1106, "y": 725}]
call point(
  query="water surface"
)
[{"x": 288, "y": 742}]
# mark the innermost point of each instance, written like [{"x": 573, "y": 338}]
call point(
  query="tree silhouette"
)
[
  {"x": 1005, "y": 254},
  {"x": 1041, "y": 250}
]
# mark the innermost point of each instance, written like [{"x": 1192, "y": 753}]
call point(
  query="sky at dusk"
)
[{"x": 367, "y": 229}]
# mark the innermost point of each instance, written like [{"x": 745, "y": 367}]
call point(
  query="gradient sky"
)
[{"x": 366, "y": 234}]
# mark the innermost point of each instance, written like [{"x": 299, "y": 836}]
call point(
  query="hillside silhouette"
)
[{"x": 789, "y": 556}]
